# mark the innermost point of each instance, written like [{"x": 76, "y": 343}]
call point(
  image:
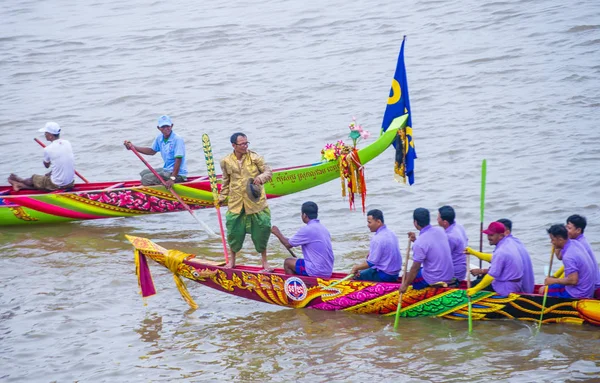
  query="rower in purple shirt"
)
[
  {"x": 457, "y": 239},
  {"x": 575, "y": 226},
  {"x": 384, "y": 261},
  {"x": 432, "y": 251},
  {"x": 579, "y": 277},
  {"x": 528, "y": 281},
  {"x": 506, "y": 269},
  {"x": 316, "y": 245}
]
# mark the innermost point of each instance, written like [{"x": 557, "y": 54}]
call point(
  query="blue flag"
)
[{"x": 398, "y": 105}]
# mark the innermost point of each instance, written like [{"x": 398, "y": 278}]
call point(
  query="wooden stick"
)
[
  {"x": 185, "y": 205},
  {"x": 545, "y": 293},
  {"x": 341, "y": 280},
  {"x": 468, "y": 297},
  {"x": 76, "y": 172},
  {"x": 212, "y": 176},
  {"x": 399, "y": 307}
]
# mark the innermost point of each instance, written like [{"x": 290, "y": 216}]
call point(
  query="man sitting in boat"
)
[
  {"x": 172, "y": 150},
  {"x": 457, "y": 239},
  {"x": 506, "y": 269},
  {"x": 528, "y": 280},
  {"x": 580, "y": 275},
  {"x": 575, "y": 226},
  {"x": 58, "y": 156},
  {"x": 432, "y": 251},
  {"x": 244, "y": 174},
  {"x": 384, "y": 261},
  {"x": 316, "y": 245}
]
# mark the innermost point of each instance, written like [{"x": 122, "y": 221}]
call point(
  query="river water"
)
[{"x": 514, "y": 82}]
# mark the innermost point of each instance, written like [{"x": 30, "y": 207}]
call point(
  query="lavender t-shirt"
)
[
  {"x": 316, "y": 248},
  {"x": 458, "y": 241},
  {"x": 583, "y": 241},
  {"x": 528, "y": 280},
  {"x": 432, "y": 250},
  {"x": 384, "y": 252},
  {"x": 576, "y": 259},
  {"x": 506, "y": 267}
]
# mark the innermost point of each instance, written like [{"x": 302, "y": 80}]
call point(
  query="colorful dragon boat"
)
[
  {"x": 129, "y": 198},
  {"x": 354, "y": 296}
]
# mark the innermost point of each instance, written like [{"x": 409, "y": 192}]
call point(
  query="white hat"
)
[{"x": 51, "y": 127}]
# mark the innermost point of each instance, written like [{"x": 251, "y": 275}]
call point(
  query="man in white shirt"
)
[{"x": 58, "y": 156}]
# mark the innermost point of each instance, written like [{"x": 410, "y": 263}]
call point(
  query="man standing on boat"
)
[
  {"x": 457, "y": 239},
  {"x": 58, "y": 156},
  {"x": 580, "y": 276},
  {"x": 575, "y": 226},
  {"x": 171, "y": 148},
  {"x": 431, "y": 251},
  {"x": 316, "y": 245},
  {"x": 384, "y": 261},
  {"x": 528, "y": 280},
  {"x": 244, "y": 174},
  {"x": 506, "y": 269}
]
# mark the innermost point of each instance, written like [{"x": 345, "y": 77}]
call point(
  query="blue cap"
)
[{"x": 164, "y": 121}]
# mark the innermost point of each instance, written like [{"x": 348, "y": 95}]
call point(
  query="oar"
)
[
  {"x": 482, "y": 206},
  {"x": 76, "y": 172},
  {"x": 341, "y": 280},
  {"x": 185, "y": 205},
  {"x": 468, "y": 287},
  {"x": 399, "y": 307},
  {"x": 545, "y": 293},
  {"x": 212, "y": 176}
]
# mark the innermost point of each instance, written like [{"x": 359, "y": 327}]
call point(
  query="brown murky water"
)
[{"x": 514, "y": 82}]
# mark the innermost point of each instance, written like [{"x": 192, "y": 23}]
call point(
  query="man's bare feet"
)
[{"x": 15, "y": 185}]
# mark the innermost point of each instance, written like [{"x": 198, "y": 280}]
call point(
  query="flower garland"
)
[{"x": 352, "y": 172}]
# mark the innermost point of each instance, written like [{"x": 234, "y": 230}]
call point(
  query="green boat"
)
[{"x": 129, "y": 198}]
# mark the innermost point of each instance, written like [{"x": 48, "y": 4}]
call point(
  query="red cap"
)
[{"x": 495, "y": 228}]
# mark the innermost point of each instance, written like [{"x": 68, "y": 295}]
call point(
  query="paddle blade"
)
[
  {"x": 470, "y": 316},
  {"x": 483, "y": 180}
]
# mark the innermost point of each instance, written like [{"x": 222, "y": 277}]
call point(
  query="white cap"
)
[{"x": 51, "y": 127}]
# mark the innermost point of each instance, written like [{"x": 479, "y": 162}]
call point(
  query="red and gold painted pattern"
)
[{"x": 371, "y": 297}]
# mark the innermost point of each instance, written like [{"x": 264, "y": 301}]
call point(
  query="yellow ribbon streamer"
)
[{"x": 173, "y": 260}]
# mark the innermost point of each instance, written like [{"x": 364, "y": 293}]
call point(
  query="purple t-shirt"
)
[
  {"x": 506, "y": 267},
  {"x": 316, "y": 248},
  {"x": 576, "y": 259},
  {"x": 458, "y": 241},
  {"x": 384, "y": 252},
  {"x": 528, "y": 280},
  {"x": 583, "y": 241},
  {"x": 432, "y": 250}
]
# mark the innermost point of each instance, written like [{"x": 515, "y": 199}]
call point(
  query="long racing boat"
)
[
  {"x": 332, "y": 294},
  {"x": 129, "y": 198}
]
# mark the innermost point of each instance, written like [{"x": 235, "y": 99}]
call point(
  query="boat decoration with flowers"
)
[{"x": 100, "y": 200}]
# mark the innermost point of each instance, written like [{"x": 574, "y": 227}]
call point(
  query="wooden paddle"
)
[
  {"x": 468, "y": 287},
  {"x": 76, "y": 172},
  {"x": 185, "y": 205},
  {"x": 212, "y": 176},
  {"x": 482, "y": 206},
  {"x": 399, "y": 307},
  {"x": 481, "y": 210},
  {"x": 545, "y": 293},
  {"x": 341, "y": 280}
]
